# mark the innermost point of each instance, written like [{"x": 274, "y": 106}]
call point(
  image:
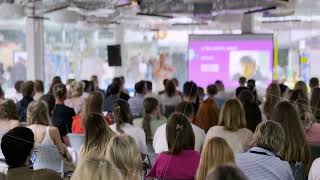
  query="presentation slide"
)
[{"x": 228, "y": 57}]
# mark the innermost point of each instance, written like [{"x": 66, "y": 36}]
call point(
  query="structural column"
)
[{"x": 35, "y": 48}]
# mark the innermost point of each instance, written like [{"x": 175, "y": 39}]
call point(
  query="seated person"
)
[
  {"x": 261, "y": 161},
  {"x": 17, "y": 146},
  {"x": 159, "y": 138},
  {"x": 226, "y": 173}
]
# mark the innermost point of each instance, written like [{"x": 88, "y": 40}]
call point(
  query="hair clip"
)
[
  {"x": 102, "y": 163},
  {"x": 179, "y": 127}
]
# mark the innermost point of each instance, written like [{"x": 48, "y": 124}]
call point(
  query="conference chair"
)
[{"x": 48, "y": 157}]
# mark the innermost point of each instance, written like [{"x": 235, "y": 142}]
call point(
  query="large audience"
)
[{"x": 193, "y": 134}]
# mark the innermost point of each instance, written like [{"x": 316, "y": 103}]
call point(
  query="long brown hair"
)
[
  {"x": 300, "y": 85},
  {"x": 170, "y": 88},
  {"x": 93, "y": 104},
  {"x": 38, "y": 113},
  {"x": 179, "y": 134},
  {"x": 122, "y": 114},
  {"x": 232, "y": 115},
  {"x": 315, "y": 102},
  {"x": 272, "y": 98},
  {"x": 216, "y": 153},
  {"x": 150, "y": 105},
  {"x": 296, "y": 148},
  {"x": 97, "y": 136}
]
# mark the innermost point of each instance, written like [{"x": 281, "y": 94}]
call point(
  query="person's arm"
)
[{"x": 55, "y": 135}]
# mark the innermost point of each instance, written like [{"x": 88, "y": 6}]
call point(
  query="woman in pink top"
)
[
  {"x": 181, "y": 161},
  {"x": 312, "y": 128}
]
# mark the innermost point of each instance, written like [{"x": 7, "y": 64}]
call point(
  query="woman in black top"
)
[{"x": 62, "y": 115}]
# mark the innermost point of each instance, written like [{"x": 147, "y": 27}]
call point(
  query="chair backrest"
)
[
  {"x": 168, "y": 110},
  {"x": 76, "y": 141},
  {"x": 48, "y": 157},
  {"x": 315, "y": 152}
]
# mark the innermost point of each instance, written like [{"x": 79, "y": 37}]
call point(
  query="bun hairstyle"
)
[{"x": 60, "y": 91}]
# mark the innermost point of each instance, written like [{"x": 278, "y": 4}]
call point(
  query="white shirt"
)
[
  {"x": 160, "y": 141},
  {"x": 169, "y": 101},
  {"x": 314, "y": 173},
  {"x": 136, "y": 133},
  {"x": 240, "y": 140}
]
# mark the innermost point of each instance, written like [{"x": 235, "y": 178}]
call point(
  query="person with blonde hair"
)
[
  {"x": 262, "y": 161},
  {"x": 296, "y": 149},
  {"x": 232, "y": 127},
  {"x": 217, "y": 152},
  {"x": 76, "y": 100},
  {"x": 124, "y": 153},
  {"x": 97, "y": 136},
  {"x": 273, "y": 96},
  {"x": 39, "y": 122},
  {"x": 96, "y": 169}
]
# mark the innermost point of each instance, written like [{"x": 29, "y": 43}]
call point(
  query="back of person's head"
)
[
  {"x": 246, "y": 97},
  {"x": 314, "y": 82},
  {"x": 232, "y": 115},
  {"x": 122, "y": 114},
  {"x": 18, "y": 86},
  {"x": 170, "y": 88},
  {"x": 179, "y": 134},
  {"x": 176, "y": 81},
  {"x": 140, "y": 87},
  {"x": 273, "y": 96},
  {"x": 93, "y": 104},
  {"x": 60, "y": 91},
  {"x": 50, "y": 101},
  {"x": 16, "y": 146},
  {"x": 38, "y": 86},
  {"x": 212, "y": 89},
  {"x": 122, "y": 150},
  {"x": 270, "y": 135},
  {"x": 251, "y": 84},
  {"x": 297, "y": 94},
  {"x": 55, "y": 80},
  {"x": 27, "y": 89},
  {"x": 220, "y": 85},
  {"x": 37, "y": 113},
  {"x": 216, "y": 153},
  {"x": 70, "y": 81},
  {"x": 150, "y": 105},
  {"x": 226, "y": 172},
  {"x": 164, "y": 82},
  {"x": 190, "y": 89},
  {"x": 117, "y": 80},
  {"x": 149, "y": 86},
  {"x": 97, "y": 135},
  {"x": 315, "y": 102},
  {"x": 296, "y": 146},
  {"x": 114, "y": 89},
  {"x": 201, "y": 92},
  {"x": 76, "y": 89},
  {"x": 301, "y": 85},
  {"x": 242, "y": 81},
  {"x": 88, "y": 86},
  {"x": 8, "y": 110},
  {"x": 96, "y": 169},
  {"x": 95, "y": 80},
  {"x": 185, "y": 108}
]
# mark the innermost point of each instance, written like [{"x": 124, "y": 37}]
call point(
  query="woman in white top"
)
[
  {"x": 314, "y": 173},
  {"x": 123, "y": 125},
  {"x": 170, "y": 97},
  {"x": 231, "y": 127},
  {"x": 38, "y": 121},
  {"x": 76, "y": 100}
]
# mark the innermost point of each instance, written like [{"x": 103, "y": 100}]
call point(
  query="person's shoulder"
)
[
  {"x": 215, "y": 128},
  {"x": 47, "y": 174}
]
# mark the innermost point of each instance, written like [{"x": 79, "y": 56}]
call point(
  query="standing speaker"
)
[{"x": 114, "y": 55}]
